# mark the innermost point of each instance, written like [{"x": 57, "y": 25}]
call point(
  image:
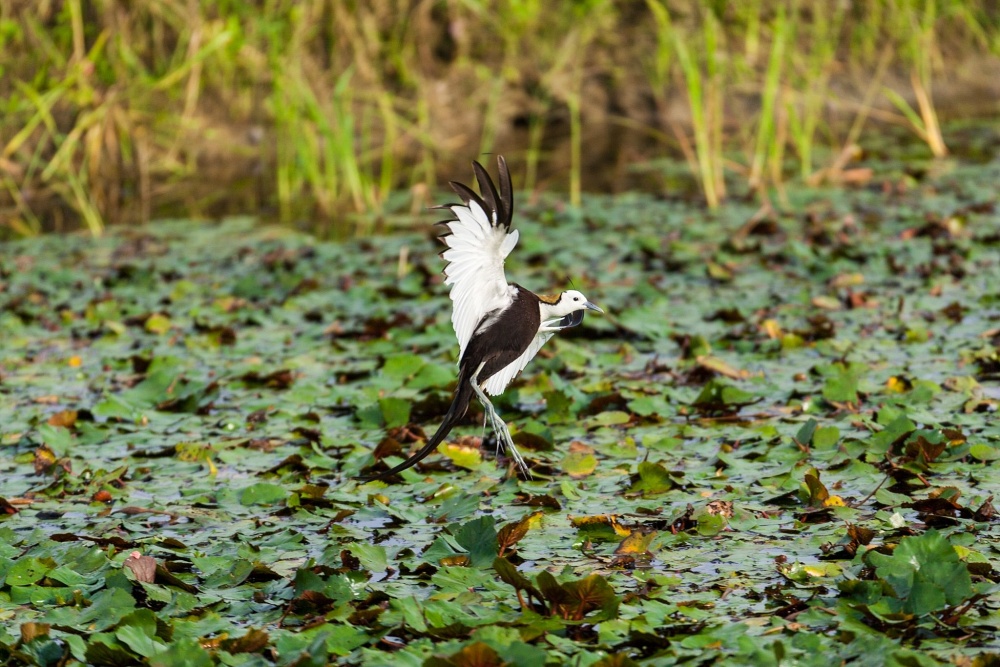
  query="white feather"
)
[
  {"x": 475, "y": 257},
  {"x": 498, "y": 381}
]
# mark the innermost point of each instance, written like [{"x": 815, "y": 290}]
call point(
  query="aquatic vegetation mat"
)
[{"x": 778, "y": 447}]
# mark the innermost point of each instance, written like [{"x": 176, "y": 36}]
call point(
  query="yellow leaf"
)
[
  {"x": 606, "y": 519},
  {"x": 847, "y": 280},
  {"x": 636, "y": 543},
  {"x": 462, "y": 455},
  {"x": 824, "y": 570},
  {"x": 772, "y": 329},
  {"x": 579, "y": 464},
  {"x": 158, "y": 323},
  {"x": 826, "y": 302},
  {"x": 719, "y": 366},
  {"x": 834, "y": 501}
]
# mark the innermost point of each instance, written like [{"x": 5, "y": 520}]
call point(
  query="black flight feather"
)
[
  {"x": 506, "y": 194},
  {"x": 490, "y": 195},
  {"x": 468, "y": 196},
  {"x": 498, "y": 205}
]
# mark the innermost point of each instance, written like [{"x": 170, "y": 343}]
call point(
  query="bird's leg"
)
[{"x": 498, "y": 425}]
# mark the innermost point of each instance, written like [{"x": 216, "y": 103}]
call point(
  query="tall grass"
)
[{"x": 111, "y": 111}]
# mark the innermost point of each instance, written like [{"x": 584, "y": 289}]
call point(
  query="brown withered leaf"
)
[
  {"x": 986, "y": 511},
  {"x": 848, "y": 546},
  {"x": 222, "y": 335},
  {"x": 512, "y": 533},
  {"x": 458, "y": 560},
  {"x": 860, "y": 534},
  {"x": 143, "y": 567},
  {"x": 604, "y": 403},
  {"x": 30, "y": 631},
  {"x": 64, "y": 418},
  {"x": 6, "y": 507},
  {"x": 726, "y": 315},
  {"x": 573, "y": 600},
  {"x": 817, "y": 490},
  {"x": 532, "y": 441},
  {"x": 923, "y": 451},
  {"x": 389, "y": 446},
  {"x": 473, "y": 655},
  {"x": 279, "y": 379},
  {"x": 720, "y": 507},
  {"x": 44, "y": 460},
  {"x": 546, "y": 501},
  {"x": 616, "y": 660}
]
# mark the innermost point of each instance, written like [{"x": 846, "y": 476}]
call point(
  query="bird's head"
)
[{"x": 569, "y": 305}]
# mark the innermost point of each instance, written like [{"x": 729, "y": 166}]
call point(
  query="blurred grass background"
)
[{"x": 344, "y": 115}]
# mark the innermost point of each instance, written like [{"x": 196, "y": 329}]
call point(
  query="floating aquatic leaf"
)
[{"x": 924, "y": 573}]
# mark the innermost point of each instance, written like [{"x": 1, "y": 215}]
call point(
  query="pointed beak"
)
[{"x": 590, "y": 306}]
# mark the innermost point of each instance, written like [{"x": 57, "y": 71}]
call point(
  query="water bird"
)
[{"x": 500, "y": 326}]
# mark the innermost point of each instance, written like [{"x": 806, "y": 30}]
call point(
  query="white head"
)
[{"x": 568, "y": 302}]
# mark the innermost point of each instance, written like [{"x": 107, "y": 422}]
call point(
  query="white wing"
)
[
  {"x": 479, "y": 240},
  {"x": 499, "y": 380}
]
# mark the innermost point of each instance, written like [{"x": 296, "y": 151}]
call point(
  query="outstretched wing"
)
[{"x": 478, "y": 241}]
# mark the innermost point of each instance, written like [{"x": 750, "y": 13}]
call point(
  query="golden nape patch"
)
[{"x": 551, "y": 299}]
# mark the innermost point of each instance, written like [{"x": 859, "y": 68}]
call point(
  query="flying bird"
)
[{"x": 500, "y": 326}]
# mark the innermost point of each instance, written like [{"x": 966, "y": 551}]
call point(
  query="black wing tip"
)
[
  {"x": 506, "y": 192},
  {"x": 495, "y": 203}
]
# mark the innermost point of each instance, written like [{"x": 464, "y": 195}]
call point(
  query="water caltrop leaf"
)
[
  {"x": 896, "y": 429},
  {"x": 826, "y": 437},
  {"x": 28, "y": 571},
  {"x": 608, "y": 418},
  {"x": 107, "y": 608},
  {"x": 395, "y": 411},
  {"x": 984, "y": 452},
  {"x": 432, "y": 375},
  {"x": 479, "y": 538},
  {"x": 263, "y": 493},
  {"x": 401, "y": 366},
  {"x": 806, "y": 432},
  {"x": 138, "y": 632},
  {"x": 841, "y": 389},
  {"x": 652, "y": 478},
  {"x": 817, "y": 492},
  {"x": 717, "y": 395},
  {"x": 648, "y": 406},
  {"x": 372, "y": 556},
  {"x": 925, "y": 572},
  {"x": 579, "y": 463}
]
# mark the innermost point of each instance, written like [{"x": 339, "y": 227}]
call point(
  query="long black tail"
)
[{"x": 459, "y": 406}]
